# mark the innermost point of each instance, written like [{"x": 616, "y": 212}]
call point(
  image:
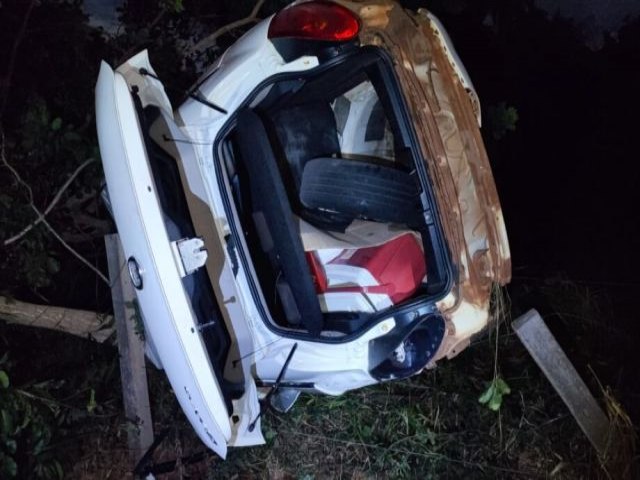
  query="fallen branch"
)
[
  {"x": 52, "y": 204},
  {"x": 81, "y": 323},
  {"x": 73, "y": 251},
  {"x": 19, "y": 179},
  {"x": 210, "y": 40}
]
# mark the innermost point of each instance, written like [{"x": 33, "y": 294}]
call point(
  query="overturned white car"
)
[{"x": 319, "y": 215}]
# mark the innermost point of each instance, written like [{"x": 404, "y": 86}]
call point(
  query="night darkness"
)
[{"x": 568, "y": 175}]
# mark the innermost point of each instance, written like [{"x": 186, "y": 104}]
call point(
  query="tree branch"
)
[
  {"x": 52, "y": 204},
  {"x": 82, "y": 323},
  {"x": 133, "y": 49},
  {"x": 72, "y": 250},
  {"x": 210, "y": 40},
  {"x": 41, "y": 216}
]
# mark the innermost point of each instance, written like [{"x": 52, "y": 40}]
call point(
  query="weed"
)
[{"x": 28, "y": 424}]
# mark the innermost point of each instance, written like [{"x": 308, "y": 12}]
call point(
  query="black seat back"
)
[
  {"x": 269, "y": 202},
  {"x": 304, "y": 132}
]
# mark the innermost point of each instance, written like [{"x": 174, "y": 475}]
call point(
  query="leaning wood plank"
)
[
  {"x": 132, "y": 365},
  {"x": 545, "y": 350},
  {"x": 82, "y": 323}
]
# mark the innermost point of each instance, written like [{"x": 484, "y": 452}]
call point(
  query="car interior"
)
[{"x": 324, "y": 180}]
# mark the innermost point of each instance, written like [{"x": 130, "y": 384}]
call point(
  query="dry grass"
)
[
  {"x": 619, "y": 461},
  {"x": 430, "y": 426}
]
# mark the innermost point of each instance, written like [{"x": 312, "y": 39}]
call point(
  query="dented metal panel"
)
[{"x": 446, "y": 123}]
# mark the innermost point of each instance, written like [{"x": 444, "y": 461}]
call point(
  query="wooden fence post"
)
[
  {"x": 545, "y": 350},
  {"x": 135, "y": 392}
]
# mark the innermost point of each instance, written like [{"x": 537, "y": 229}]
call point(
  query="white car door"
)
[{"x": 170, "y": 322}]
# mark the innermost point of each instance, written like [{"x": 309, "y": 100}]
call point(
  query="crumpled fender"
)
[{"x": 446, "y": 123}]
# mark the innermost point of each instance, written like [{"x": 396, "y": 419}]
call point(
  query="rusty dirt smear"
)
[{"x": 446, "y": 119}]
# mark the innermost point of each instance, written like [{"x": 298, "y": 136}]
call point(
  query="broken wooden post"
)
[
  {"x": 135, "y": 393},
  {"x": 545, "y": 350}
]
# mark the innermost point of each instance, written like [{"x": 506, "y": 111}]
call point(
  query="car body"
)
[{"x": 234, "y": 243}]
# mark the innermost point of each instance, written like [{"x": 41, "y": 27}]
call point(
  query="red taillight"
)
[{"x": 315, "y": 20}]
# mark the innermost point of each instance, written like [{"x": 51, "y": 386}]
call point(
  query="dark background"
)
[{"x": 568, "y": 175}]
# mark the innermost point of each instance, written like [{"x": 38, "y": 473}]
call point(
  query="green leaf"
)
[
  {"x": 92, "y": 404},
  {"x": 7, "y": 422},
  {"x": 58, "y": 467},
  {"x": 28, "y": 415},
  {"x": 496, "y": 401},
  {"x": 493, "y": 395},
  {"x": 4, "y": 379},
  {"x": 501, "y": 119},
  {"x": 430, "y": 437},
  {"x": 53, "y": 265},
  {"x": 488, "y": 394},
  {"x": 56, "y": 124},
  {"x": 72, "y": 137},
  {"x": 270, "y": 434},
  {"x": 11, "y": 445},
  {"x": 173, "y": 6},
  {"x": 502, "y": 386},
  {"x": 366, "y": 432},
  {"x": 39, "y": 446},
  {"x": 9, "y": 467}
]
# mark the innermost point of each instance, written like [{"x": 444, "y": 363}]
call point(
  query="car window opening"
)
[{"x": 324, "y": 181}]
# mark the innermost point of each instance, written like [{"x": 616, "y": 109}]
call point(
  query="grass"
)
[
  {"x": 430, "y": 426},
  {"x": 617, "y": 461}
]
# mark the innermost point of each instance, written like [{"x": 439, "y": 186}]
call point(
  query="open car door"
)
[{"x": 173, "y": 290}]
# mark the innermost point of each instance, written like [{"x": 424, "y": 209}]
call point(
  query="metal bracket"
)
[
  {"x": 283, "y": 400},
  {"x": 190, "y": 254}
]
